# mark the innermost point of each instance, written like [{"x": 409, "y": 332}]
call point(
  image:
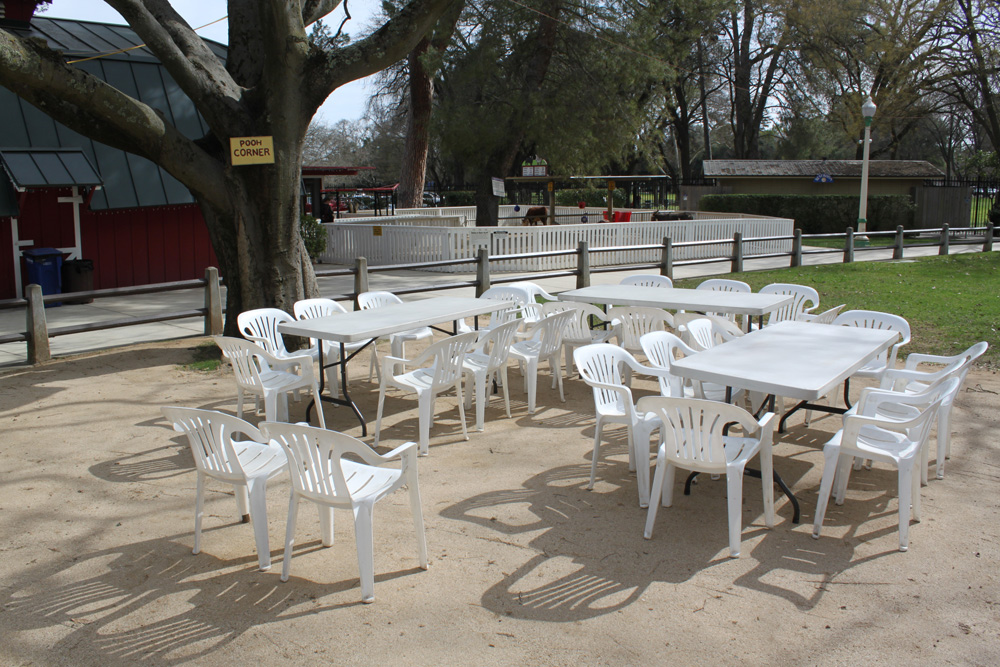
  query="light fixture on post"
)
[{"x": 868, "y": 112}]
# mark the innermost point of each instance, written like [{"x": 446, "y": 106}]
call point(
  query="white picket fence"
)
[{"x": 403, "y": 243}]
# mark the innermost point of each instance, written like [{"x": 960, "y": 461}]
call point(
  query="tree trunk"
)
[{"x": 418, "y": 119}]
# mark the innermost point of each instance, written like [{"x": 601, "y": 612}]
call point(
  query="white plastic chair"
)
[
  {"x": 800, "y": 295},
  {"x": 261, "y": 327},
  {"x": 322, "y": 474},
  {"x": 881, "y": 438},
  {"x": 694, "y": 437},
  {"x": 724, "y": 285},
  {"x": 911, "y": 379},
  {"x": 307, "y": 309},
  {"x": 436, "y": 370},
  {"x": 579, "y": 330},
  {"x": 246, "y": 464},
  {"x": 703, "y": 333},
  {"x": 254, "y": 370},
  {"x": 826, "y": 317},
  {"x": 488, "y": 359},
  {"x": 633, "y": 322},
  {"x": 544, "y": 342},
  {"x": 522, "y": 307},
  {"x": 871, "y": 319},
  {"x": 647, "y": 280},
  {"x": 535, "y": 290},
  {"x": 397, "y": 341},
  {"x": 601, "y": 366}
]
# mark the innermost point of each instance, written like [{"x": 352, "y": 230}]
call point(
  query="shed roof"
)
[
  {"x": 48, "y": 167},
  {"x": 810, "y": 168},
  {"x": 129, "y": 181}
]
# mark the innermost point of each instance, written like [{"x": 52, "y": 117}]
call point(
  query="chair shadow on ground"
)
[
  {"x": 217, "y": 601},
  {"x": 591, "y": 558}
]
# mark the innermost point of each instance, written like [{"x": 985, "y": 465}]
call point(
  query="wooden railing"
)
[{"x": 582, "y": 261}]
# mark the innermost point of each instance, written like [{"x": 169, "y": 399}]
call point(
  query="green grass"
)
[
  {"x": 839, "y": 243},
  {"x": 205, "y": 358},
  {"x": 950, "y": 302}
]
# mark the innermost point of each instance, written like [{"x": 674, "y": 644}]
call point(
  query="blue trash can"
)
[{"x": 45, "y": 269}]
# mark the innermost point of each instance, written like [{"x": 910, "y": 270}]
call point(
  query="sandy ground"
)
[{"x": 527, "y": 566}]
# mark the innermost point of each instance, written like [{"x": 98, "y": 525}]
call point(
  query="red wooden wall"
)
[{"x": 136, "y": 246}]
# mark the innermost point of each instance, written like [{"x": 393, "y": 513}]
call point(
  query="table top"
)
[
  {"x": 361, "y": 325},
  {"x": 792, "y": 359},
  {"x": 738, "y": 303}
]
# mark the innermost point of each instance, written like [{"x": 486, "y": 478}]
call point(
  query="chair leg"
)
[
  {"x": 242, "y": 502},
  {"x": 319, "y": 405},
  {"x": 363, "y": 535},
  {"x": 905, "y": 498},
  {"x": 767, "y": 484},
  {"x": 667, "y": 494},
  {"x": 325, "y": 524},
  {"x": 831, "y": 456},
  {"x": 593, "y": 459},
  {"x": 943, "y": 441},
  {"x": 257, "y": 489},
  {"x": 531, "y": 383},
  {"x": 734, "y": 499},
  {"x": 418, "y": 517},
  {"x": 293, "y": 512},
  {"x": 555, "y": 364},
  {"x": 425, "y": 408},
  {"x": 506, "y": 390},
  {"x": 655, "y": 492},
  {"x": 378, "y": 414},
  {"x": 199, "y": 510},
  {"x": 461, "y": 408},
  {"x": 482, "y": 392},
  {"x": 641, "y": 434},
  {"x": 239, "y": 402},
  {"x": 843, "y": 476}
]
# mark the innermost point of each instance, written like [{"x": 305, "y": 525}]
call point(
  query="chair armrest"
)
[
  {"x": 401, "y": 452},
  {"x": 914, "y": 359},
  {"x": 389, "y": 361}
]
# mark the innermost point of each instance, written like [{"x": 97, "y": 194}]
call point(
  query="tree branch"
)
[{"x": 84, "y": 103}]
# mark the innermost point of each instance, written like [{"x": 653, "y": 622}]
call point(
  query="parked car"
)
[{"x": 432, "y": 199}]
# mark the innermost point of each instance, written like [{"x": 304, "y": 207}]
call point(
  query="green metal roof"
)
[{"x": 129, "y": 180}]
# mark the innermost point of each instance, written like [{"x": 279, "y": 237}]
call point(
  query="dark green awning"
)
[{"x": 48, "y": 168}]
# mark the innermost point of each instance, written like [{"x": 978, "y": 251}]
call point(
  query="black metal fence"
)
[{"x": 983, "y": 195}]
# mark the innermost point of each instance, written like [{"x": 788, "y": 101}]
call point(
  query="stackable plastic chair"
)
[
  {"x": 871, "y": 319},
  {"x": 660, "y": 348},
  {"x": 535, "y": 290},
  {"x": 485, "y": 360},
  {"x": 801, "y": 294},
  {"x": 254, "y": 369},
  {"x": 435, "y": 371},
  {"x": 307, "y": 309},
  {"x": 911, "y": 379},
  {"x": 694, "y": 436},
  {"x": 647, "y": 280},
  {"x": 601, "y": 367},
  {"x": 261, "y": 327},
  {"x": 247, "y": 464},
  {"x": 579, "y": 330},
  {"x": 397, "y": 341},
  {"x": 544, "y": 342},
  {"x": 896, "y": 437},
  {"x": 322, "y": 474},
  {"x": 724, "y": 285}
]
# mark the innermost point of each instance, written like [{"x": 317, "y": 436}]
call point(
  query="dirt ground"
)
[{"x": 527, "y": 565}]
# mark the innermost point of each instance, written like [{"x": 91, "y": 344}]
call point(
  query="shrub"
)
[
  {"x": 313, "y": 236},
  {"x": 592, "y": 196},
  {"x": 459, "y": 198},
  {"x": 819, "y": 214}
]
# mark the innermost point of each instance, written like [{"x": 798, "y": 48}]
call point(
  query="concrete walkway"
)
[{"x": 13, "y": 320}]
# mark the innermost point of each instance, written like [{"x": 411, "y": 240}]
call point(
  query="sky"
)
[{"x": 347, "y": 102}]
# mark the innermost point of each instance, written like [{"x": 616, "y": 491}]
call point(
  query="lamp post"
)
[{"x": 868, "y": 111}]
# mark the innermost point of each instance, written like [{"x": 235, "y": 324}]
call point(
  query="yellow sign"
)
[
  {"x": 552, "y": 186},
  {"x": 611, "y": 185},
  {"x": 251, "y": 150},
  {"x": 377, "y": 230}
]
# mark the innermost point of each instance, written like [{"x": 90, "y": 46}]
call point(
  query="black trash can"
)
[
  {"x": 45, "y": 270},
  {"x": 78, "y": 276}
]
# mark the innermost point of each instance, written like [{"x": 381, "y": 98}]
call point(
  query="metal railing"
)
[{"x": 37, "y": 333}]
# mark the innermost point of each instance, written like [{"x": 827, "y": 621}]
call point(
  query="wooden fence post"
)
[
  {"x": 360, "y": 278},
  {"x": 582, "y": 265},
  {"x": 897, "y": 251},
  {"x": 944, "y": 247},
  {"x": 737, "y": 265},
  {"x": 796, "y": 248},
  {"x": 37, "y": 328},
  {"x": 482, "y": 271},
  {"x": 213, "y": 302},
  {"x": 988, "y": 241},
  {"x": 849, "y": 246},
  {"x": 667, "y": 258}
]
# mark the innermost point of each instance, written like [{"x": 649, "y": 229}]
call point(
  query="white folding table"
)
[
  {"x": 789, "y": 359},
  {"x": 751, "y": 304},
  {"x": 368, "y": 325}
]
